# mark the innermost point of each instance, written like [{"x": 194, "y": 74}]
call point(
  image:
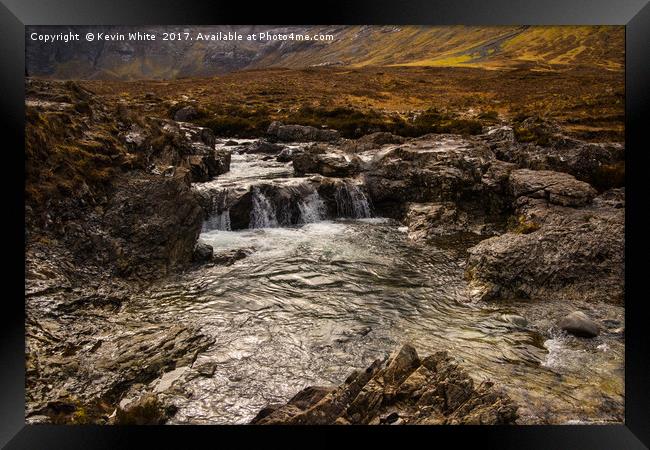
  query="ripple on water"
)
[{"x": 314, "y": 301}]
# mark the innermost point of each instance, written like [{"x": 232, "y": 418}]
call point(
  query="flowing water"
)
[{"x": 321, "y": 297}]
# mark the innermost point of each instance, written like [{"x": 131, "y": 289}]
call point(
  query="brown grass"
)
[{"x": 587, "y": 101}]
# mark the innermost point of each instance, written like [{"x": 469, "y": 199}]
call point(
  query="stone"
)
[
  {"x": 229, "y": 257},
  {"x": 322, "y": 160},
  {"x": 557, "y": 187},
  {"x": 207, "y": 369},
  {"x": 287, "y": 155},
  {"x": 572, "y": 254},
  {"x": 262, "y": 146},
  {"x": 390, "y": 418},
  {"x": 578, "y": 324},
  {"x": 600, "y": 164},
  {"x": 301, "y": 133},
  {"x": 185, "y": 113},
  {"x": 430, "y": 220},
  {"x": 202, "y": 252},
  {"x": 432, "y": 168}
]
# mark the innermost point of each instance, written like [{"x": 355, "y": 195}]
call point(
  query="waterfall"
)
[
  {"x": 351, "y": 202},
  {"x": 219, "y": 221},
  {"x": 263, "y": 213},
  {"x": 281, "y": 205},
  {"x": 312, "y": 208}
]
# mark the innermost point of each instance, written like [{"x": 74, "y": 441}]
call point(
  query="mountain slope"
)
[{"x": 355, "y": 46}]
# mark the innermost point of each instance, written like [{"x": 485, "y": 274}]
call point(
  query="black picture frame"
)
[{"x": 634, "y": 14}]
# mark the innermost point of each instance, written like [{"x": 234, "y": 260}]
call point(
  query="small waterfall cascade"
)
[
  {"x": 351, "y": 202},
  {"x": 219, "y": 221},
  {"x": 220, "y": 217},
  {"x": 263, "y": 213},
  {"x": 293, "y": 206},
  {"x": 312, "y": 208},
  {"x": 272, "y": 205}
]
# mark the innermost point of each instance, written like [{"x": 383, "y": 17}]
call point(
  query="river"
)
[{"x": 316, "y": 299}]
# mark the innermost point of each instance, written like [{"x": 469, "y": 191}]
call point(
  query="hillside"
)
[{"x": 357, "y": 46}]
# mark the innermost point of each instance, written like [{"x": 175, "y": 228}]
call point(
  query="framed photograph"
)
[{"x": 259, "y": 221}]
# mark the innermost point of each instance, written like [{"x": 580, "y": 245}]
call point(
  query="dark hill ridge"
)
[{"x": 354, "y": 46}]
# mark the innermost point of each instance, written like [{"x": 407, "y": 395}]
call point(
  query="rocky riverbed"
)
[{"x": 202, "y": 279}]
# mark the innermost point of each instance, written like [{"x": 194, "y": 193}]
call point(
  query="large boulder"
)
[
  {"x": 148, "y": 227},
  {"x": 433, "y": 220},
  {"x": 554, "y": 252},
  {"x": 325, "y": 161},
  {"x": 433, "y": 168},
  {"x": 557, "y": 187},
  {"x": 263, "y": 146},
  {"x": 578, "y": 324},
  {"x": 165, "y": 143},
  {"x": 404, "y": 389},
  {"x": 546, "y": 148},
  {"x": 301, "y": 133}
]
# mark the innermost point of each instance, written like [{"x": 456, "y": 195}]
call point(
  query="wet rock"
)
[
  {"x": 433, "y": 168},
  {"x": 150, "y": 224},
  {"x": 430, "y": 220},
  {"x": 189, "y": 146},
  {"x": 202, "y": 252},
  {"x": 262, "y": 146},
  {"x": 167, "y": 144},
  {"x": 571, "y": 254},
  {"x": 103, "y": 361},
  {"x": 318, "y": 159},
  {"x": 558, "y": 188},
  {"x": 186, "y": 113},
  {"x": 288, "y": 154},
  {"x": 403, "y": 390},
  {"x": 231, "y": 256},
  {"x": 206, "y": 166},
  {"x": 301, "y": 133},
  {"x": 371, "y": 142},
  {"x": 578, "y": 324}
]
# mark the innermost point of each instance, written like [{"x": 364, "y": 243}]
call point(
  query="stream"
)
[{"x": 317, "y": 298}]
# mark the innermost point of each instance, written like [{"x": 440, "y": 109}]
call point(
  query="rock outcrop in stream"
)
[
  {"x": 405, "y": 389},
  {"x": 572, "y": 253}
]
